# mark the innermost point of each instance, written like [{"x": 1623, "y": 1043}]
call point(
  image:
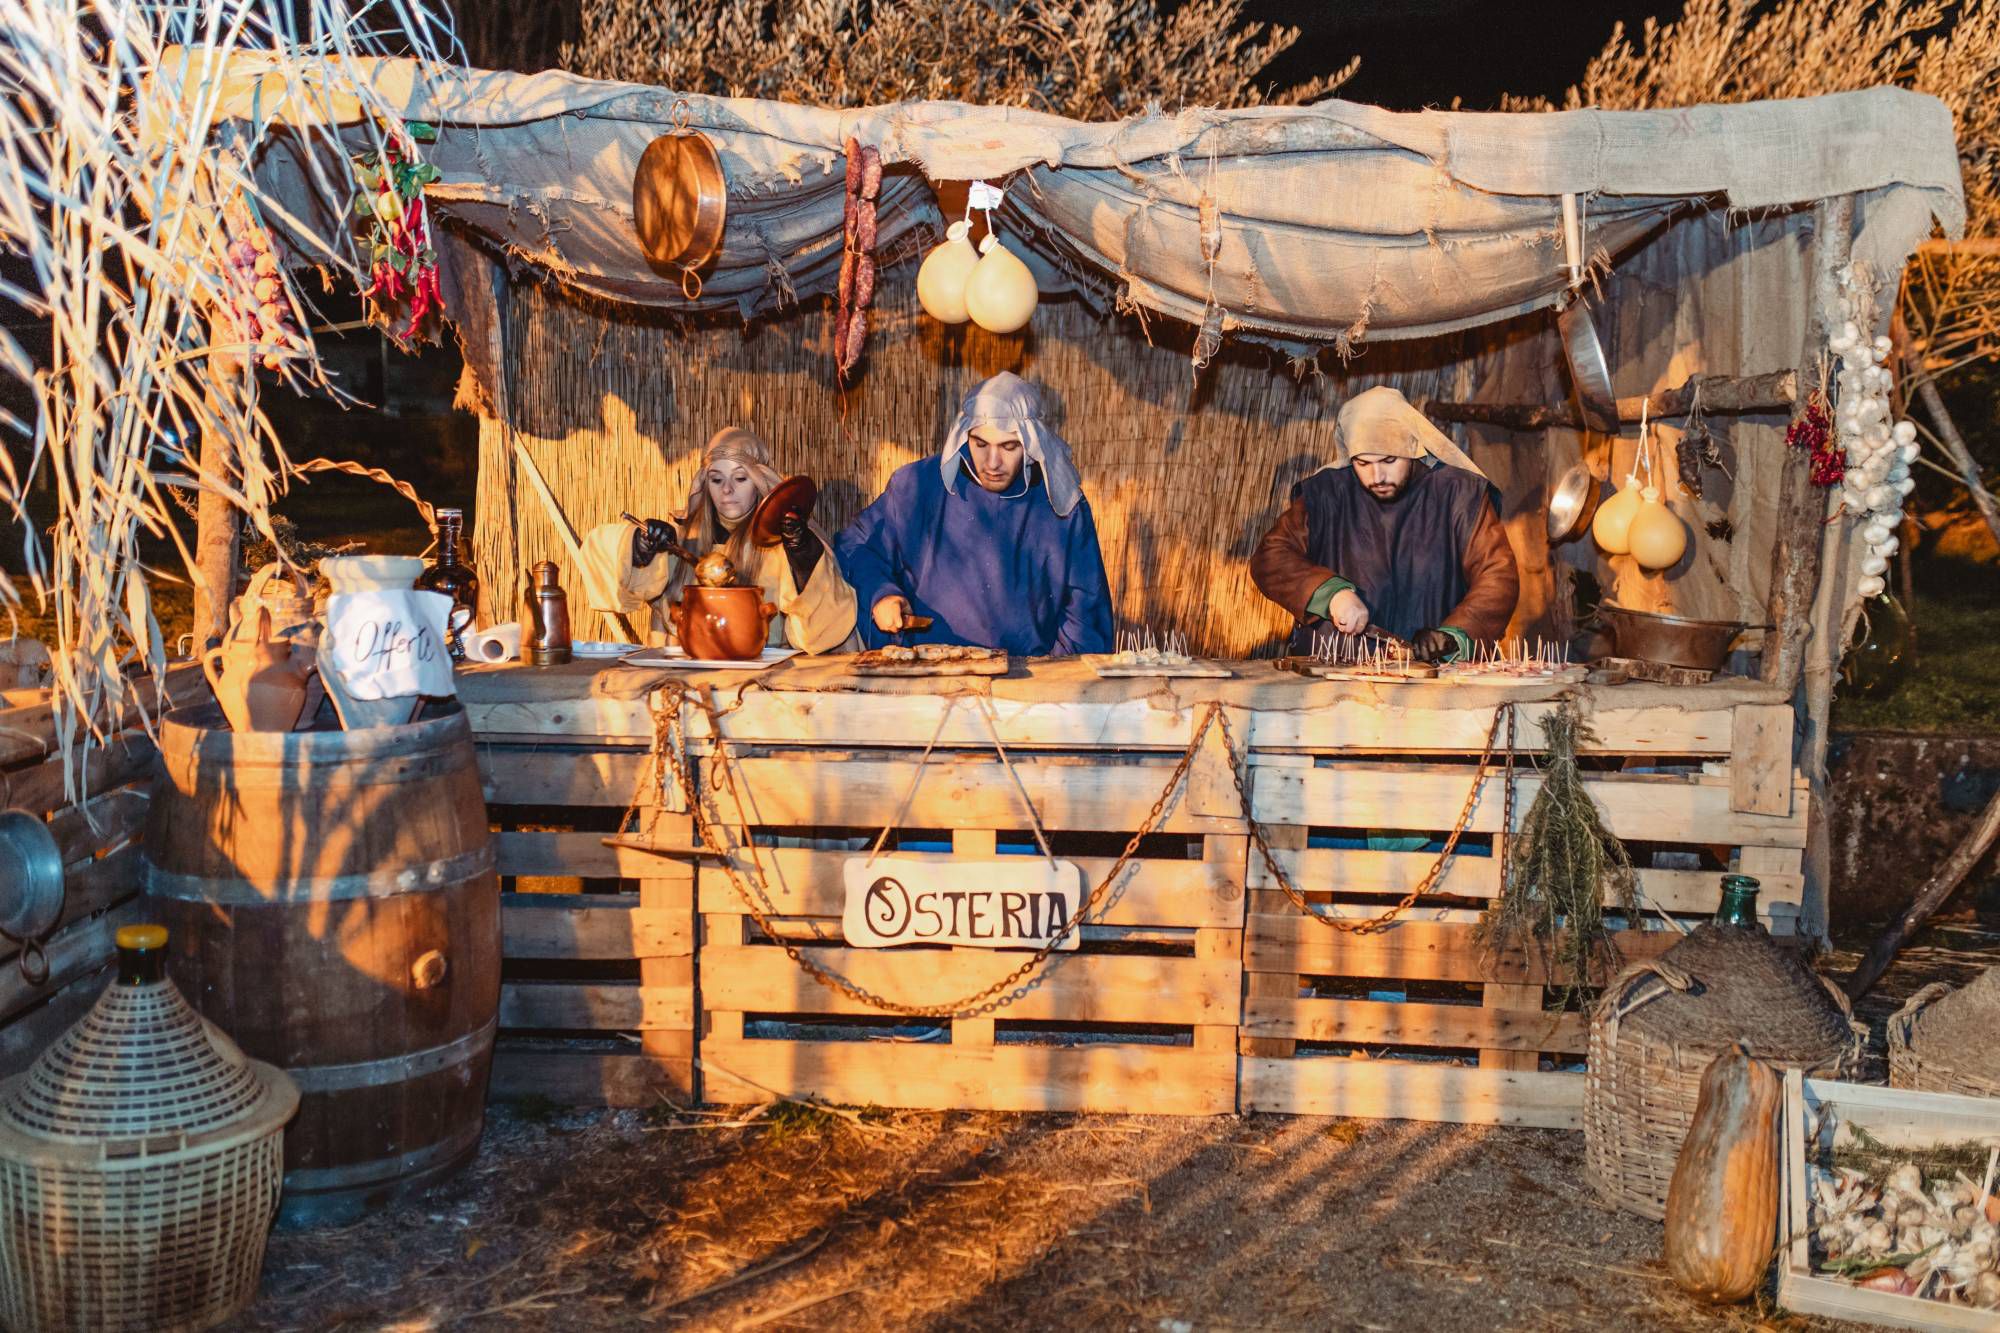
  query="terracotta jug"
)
[
  {"x": 256, "y": 681},
  {"x": 723, "y": 624}
]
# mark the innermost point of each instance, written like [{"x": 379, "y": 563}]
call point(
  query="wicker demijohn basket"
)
[
  {"x": 140, "y": 1162},
  {"x": 1660, "y": 1023},
  {"x": 1947, "y": 1044}
]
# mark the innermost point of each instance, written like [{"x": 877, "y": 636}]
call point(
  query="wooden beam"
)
[
  {"x": 1774, "y": 392},
  {"x": 1406, "y": 1090},
  {"x": 1795, "y": 557}
]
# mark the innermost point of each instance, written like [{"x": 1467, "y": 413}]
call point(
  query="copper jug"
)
[{"x": 548, "y": 618}]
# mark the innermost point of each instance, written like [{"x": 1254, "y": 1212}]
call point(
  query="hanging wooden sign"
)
[{"x": 1005, "y": 902}]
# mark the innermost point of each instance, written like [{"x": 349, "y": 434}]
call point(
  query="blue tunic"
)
[{"x": 994, "y": 571}]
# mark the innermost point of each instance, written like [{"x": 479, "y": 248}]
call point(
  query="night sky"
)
[{"x": 1417, "y": 53}]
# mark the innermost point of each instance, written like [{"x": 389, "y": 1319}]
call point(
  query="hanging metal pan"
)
[
  {"x": 1588, "y": 370},
  {"x": 679, "y": 200},
  {"x": 31, "y": 871},
  {"x": 1572, "y": 504}
]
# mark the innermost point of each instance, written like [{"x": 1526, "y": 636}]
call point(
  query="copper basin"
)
[
  {"x": 723, "y": 624},
  {"x": 1649, "y": 636}
]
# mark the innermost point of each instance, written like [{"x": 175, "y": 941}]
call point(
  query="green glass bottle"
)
[{"x": 1739, "y": 902}]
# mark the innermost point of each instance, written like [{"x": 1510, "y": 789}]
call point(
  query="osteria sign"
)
[{"x": 1006, "y": 902}]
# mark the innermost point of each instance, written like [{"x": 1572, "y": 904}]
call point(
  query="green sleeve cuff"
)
[
  {"x": 1462, "y": 639},
  {"x": 1324, "y": 594}
]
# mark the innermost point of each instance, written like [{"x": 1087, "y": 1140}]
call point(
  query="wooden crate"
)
[
  {"x": 1419, "y": 1020},
  {"x": 1898, "y": 1119},
  {"x": 1141, "y": 1018},
  {"x": 597, "y": 997},
  {"x": 99, "y": 842}
]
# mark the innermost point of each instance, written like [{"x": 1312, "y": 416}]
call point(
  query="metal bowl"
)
[
  {"x": 31, "y": 876},
  {"x": 1699, "y": 645},
  {"x": 1572, "y": 504}
]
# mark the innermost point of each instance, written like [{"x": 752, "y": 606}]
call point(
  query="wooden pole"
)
[
  {"x": 1802, "y": 506},
  {"x": 1775, "y": 392},
  {"x": 218, "y": 526},
  {"x": 1961, "y": 457},
  {"x": 1933, "y": 896}
]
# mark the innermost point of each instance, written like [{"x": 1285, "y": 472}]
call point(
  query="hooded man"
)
[
  {"x": 993, "y": 540},
  {"x": 1403, "y": 535}
]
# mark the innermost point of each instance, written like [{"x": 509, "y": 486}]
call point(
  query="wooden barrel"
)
[{"x": 331, "y": 904}]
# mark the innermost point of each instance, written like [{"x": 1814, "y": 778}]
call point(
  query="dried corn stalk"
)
[{"x": 116, "y": 176}]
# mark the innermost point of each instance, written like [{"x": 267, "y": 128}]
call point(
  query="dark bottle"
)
[
  {"x": 1739, "y": 902},
  {"x": 142, "y": 955},
  {"x": 449, "y": 574},
  {"x": 548, "y": 618}
]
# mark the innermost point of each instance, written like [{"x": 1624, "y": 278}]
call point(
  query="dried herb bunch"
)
[{"x": 1563, "y": 861}]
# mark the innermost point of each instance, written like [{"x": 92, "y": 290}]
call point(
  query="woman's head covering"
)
[
  {"x": 1011, "y": 403},
  {"x": 731, "y": 444},
  {"x": 1381, "y": 421}
]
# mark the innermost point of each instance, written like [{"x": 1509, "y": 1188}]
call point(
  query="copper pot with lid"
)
[{"x": 723, "y": 624}]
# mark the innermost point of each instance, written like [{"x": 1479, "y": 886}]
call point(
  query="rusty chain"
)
[
  {"x": 1373, "y": 925},
  {"x": 1015, "y": 984}
]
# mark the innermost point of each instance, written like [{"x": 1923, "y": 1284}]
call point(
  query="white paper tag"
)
[
  {"x": 389, "y": 644},
  {"x": 982, "y": 195},
  {"x": 1008, "y": 902}
]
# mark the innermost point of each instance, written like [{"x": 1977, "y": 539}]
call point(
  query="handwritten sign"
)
[
  {"x": 1007, "y": 902},
  {"x": 388, "y": 644}
]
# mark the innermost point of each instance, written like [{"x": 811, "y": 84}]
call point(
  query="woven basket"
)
[
  {"x": 1659, "y": 1024},
  {"x": 1944, "y": 1042},
  {"x": 140, "y": 1163}
]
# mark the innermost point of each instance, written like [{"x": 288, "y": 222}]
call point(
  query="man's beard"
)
[{"x": 1388, "y": 492}]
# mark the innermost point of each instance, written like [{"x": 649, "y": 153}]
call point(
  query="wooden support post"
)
[
  {"x": 1218, "y": 946},
  {"x": 1795, "y": 559},
  {"x": 1773, "y": 392},
  {"x": 1281, "y": 984},
  {"x": 1501, "y": 995},
  {"x": 981, "y": 843}
]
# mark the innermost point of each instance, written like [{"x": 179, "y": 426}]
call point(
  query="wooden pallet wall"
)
[
  {"x": 99, "y": 839},
  {"x": 597, "y": 995}
]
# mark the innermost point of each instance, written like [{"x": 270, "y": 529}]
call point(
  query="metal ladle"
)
[{"x": 695, "y": 562}]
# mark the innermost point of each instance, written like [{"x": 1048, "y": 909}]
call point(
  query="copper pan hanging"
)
[{"x": 679, "y": 201}]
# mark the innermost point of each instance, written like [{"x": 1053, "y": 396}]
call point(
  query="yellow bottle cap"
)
[{"x": 142, "y": 937}]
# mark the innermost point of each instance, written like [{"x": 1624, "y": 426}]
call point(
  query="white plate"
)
[
  {"x": 598, "y": 648},
  {"x": 676, "y": 657}
]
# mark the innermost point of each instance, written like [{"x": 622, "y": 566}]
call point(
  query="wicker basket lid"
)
[
  {"x": 1959, "y": 1025},
  {"x": 141, "y": 1072},
  {"x": 1745, "y": 987}
]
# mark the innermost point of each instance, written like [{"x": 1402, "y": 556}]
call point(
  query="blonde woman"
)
[{"x": 626, "y": 565}]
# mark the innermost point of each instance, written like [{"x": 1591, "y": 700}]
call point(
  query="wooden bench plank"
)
[
  {"x": 1661, "y": 808},
  {"x": 1075, "y": 987},
  {"x": 611, "y": 1006},
  {"x": 1133, "y": 1080},
  {"x": 1394, "y": 719},
  {"x": 1111, "y": 792},
  {"x": 1411, "y": 1023},
  {"x": 1407, "y": 1090},
  {"x": 592, "y": 925},
  {"x": 1410, "y": 951},
  {"x": 1356, "y": 871},
  {"x": 512, "y": 776},
  {"x": 550, "y": 852},
  {"x": 804, "y": 881}
]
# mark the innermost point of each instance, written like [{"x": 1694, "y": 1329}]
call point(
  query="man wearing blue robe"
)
[{"x": 993, "y": 540}]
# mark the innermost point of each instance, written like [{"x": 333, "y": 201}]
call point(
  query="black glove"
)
[
  {"x": 802, "y": 546},
  {"x": 1433, "y": 645},
  {"x": 648, "y": 540}
]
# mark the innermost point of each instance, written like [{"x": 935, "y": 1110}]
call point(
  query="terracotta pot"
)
[
  {"x": 723, "y": 624},
  {"x": 255, "y": 679}
]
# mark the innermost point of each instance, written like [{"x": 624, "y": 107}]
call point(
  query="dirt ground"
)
[{"x": 806, "y": 1218}]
